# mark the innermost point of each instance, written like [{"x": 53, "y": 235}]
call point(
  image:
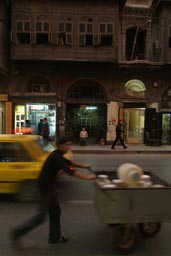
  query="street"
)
[{"x": 87, "y": 236}]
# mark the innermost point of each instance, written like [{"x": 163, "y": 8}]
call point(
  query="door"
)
[
  {"x": 134, "y": 125},
  {"x": 166, "y": 128}
]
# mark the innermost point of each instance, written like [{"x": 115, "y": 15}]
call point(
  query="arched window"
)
[
  {"x": 38, "y": 85},
  {"x": 134, "y": 88},
  {"x": 86, "y": 89}
]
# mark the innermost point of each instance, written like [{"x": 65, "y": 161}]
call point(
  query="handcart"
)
[{"x": 124, "y": 207}]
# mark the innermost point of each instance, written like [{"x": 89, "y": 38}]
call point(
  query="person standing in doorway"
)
[
  {"x": 40, "y": 125},
  {"x": 83, "y": 136},
  {"x": 55, "y": 163},
  {"x": 45, "y": 131},
  {"x": 119, "y": 130}
]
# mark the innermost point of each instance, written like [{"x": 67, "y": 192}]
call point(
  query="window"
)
[
  {"x": 23, "y": 32},
  {"x": 86, "y": 89},
  {"x": 13, "y": 152},
  {"x": 65, "y": 36},
  {"x": 86, "y": 34},
  {"x": 134, "y": 88},
  {"x": 42, "y": 32},
  {"x": 106, "y": 34}
]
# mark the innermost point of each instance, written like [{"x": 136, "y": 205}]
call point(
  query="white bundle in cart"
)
[
  {"x": 128, "y": 175},
  {"x": 133, "y": 176}
]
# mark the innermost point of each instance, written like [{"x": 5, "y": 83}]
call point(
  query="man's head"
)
[{"x": 64, "y": 143}]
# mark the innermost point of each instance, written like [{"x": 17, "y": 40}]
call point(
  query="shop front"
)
[
  {"x": 92, "y": 117},
  {"x": 134, "y": 119},
  {"x": 27, "y": 117}
]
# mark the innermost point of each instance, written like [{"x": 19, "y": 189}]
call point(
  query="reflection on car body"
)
[{"x": 21, "y": 159}]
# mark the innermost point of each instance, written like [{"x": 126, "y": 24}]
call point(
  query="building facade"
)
[{"x": 87, "y": 64}]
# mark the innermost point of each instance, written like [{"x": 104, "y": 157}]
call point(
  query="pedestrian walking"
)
[
  {"x": 119, "y": 130},
  {"x": 52, "y": 167}
]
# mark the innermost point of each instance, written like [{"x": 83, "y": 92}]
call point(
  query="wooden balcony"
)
[{"x": 57, "y": 53}]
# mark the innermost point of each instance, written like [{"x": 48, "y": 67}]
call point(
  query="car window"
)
[
  {"x": 46, "y": 148},
  {"x": 13, "y": 152}
]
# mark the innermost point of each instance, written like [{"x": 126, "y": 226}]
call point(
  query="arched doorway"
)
[{"x": 86, "y": 107}]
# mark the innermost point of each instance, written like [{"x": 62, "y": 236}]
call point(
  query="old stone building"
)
[{"x": 86, "y": 64}]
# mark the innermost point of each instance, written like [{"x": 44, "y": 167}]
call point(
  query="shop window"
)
[
  {"x": 42, "y": 33},
  {"x": 23, "y": 32},
  {"x": 134, "y": 88}
]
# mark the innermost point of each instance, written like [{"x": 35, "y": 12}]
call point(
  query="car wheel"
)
[{"x": 28, "y": 192}]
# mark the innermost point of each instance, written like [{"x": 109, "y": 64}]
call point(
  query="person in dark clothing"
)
[
  {"x": 119, "y": 130},
  {"x": 52, "y": 167},
  {"x": 40, "y": 125},
  {"x": 45, "y": 131}
]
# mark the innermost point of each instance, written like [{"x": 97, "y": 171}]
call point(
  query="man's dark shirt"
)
[
  {"x": 54, "y": 163},
  {"x": 118, "y": 129}
]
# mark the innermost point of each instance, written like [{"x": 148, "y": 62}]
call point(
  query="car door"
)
[{"x": 16, "y": 165}]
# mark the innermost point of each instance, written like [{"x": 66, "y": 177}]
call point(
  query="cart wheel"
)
[
  {"x": 149, "y": 229},
  {"x": 124, "y": 238}
]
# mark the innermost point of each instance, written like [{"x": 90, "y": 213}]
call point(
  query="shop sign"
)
[
  {"x": 37, "y": 107},
  {"x": 20, "y": 109}
]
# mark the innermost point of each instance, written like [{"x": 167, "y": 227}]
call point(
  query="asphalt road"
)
[{"x": 87, "y": 235}]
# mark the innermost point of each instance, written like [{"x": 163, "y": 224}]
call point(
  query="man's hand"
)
[
  {"x": 86, "y": 166},
  {"x": 91, "y": 177}
]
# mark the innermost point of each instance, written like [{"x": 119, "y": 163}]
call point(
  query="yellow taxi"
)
[{"x": 21, "y": 159}]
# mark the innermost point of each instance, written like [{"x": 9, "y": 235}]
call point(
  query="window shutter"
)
[
  {"x": 96, "y": 39},
  {"x": 69, "y": 38},
  {"x": 32, "y": 38},
  {"x": 82, "y": 40},
  {"x": 13, "y": 37},
  {"x": 54, "y": 38}
]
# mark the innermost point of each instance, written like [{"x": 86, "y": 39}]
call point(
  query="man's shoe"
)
[
  {"x": 112, "y": 148},
  {"x": 62, "y": 239},
  {"x": 125, "y": 147}
]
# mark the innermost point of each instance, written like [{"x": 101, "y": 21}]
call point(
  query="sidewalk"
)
[{"x": 132, "y": 148}]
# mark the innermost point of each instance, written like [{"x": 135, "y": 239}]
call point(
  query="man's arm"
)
[
  {"x": 84, "y": 177},
  {"x": 84, "y": 166}
]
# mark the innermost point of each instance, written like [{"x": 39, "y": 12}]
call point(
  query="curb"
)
[{"x": 112, "y": 152}]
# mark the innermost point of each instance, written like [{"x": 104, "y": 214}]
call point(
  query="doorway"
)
[
  {"x": 1, "y": 119},
  {"x": 134, "y": 119},
  {"x": 92, "y": 117},
  {"x": 166, "y": 128}
]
